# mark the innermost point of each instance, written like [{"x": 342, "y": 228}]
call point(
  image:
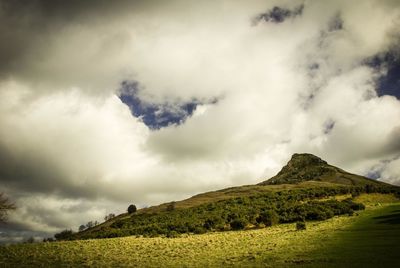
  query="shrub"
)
[
  {"x": 109, "y": 216},
  {"x": 117, "y": 224},
  {"x": 172, "y": 234},
  {"x": 131, "y": 209},
  {"x": 357, "y": 206},
  {"x": 171, "y": 206},
  {"x": 300, "y": 225},
  {"x": 30, "y": 240},
  {"x": 209, "y": 224},
  {"x": 64, "y": 235},
  {"x": 49, "y": 239},
  {"x": 269, "y": 218},
  {"x": 199, "y": 230},
  {"x": 90, "y": 224},
  {"x": 238, "y": 224},
  {"x": 214, "y": 223}
]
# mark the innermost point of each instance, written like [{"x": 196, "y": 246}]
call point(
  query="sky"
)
[{"x": 109, "y": 103}]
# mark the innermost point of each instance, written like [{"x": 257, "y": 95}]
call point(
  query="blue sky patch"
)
[
  {"x": 388, "y": 84},
  {"x": 158, "y": 114}
]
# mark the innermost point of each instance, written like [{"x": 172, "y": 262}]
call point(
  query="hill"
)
[
  {"x": 303, "y": 171},
  {"x": 305, "y": 189},
  {"x": 308, "y": 167}
]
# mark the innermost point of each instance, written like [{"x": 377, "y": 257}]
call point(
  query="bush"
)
[
  {"x": 64, "y": 235},
  {"x": 117, "y": 224},
  {"x": 30, "y": 240},
  {"x": 269, "y": 218},
  {"x": 171, "y": 206},
  {"x": 172, "y": 234},
  {"x": 50, "y": 239},
  {"x": 300, "y": 225},
  {"x": 109, "y": 216},
  {"x": 357, "y": 206},
  {"x": 132, "y": 209},
  {"x": 199, "y": 230},
  {"x": 238, "y": 224},
  {"x": 213, "y": 223}
]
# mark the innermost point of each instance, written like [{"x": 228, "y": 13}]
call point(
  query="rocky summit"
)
[{"x": 308, "y": 167}]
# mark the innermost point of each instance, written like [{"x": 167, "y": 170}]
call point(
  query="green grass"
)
[
  {"x": 372, "y": 241},
  {"x": 371, "y": 238}
]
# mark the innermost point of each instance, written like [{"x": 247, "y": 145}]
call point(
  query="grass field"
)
[{"x": 370, "y": 239}]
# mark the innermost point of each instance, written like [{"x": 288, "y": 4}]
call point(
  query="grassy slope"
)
[
  {"x": 302, "y": 171},
  {"x": 328, "y": 243},
  {"x": 239, "y": 191},
  {"x": 214, "y": 196},
  {"x": 372, "y": 241}
]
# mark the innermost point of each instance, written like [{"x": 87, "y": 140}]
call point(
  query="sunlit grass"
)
[
  {"x": 277, "y": 245},
  {"x": 321, "y": 244},
  {"x": 376, "y": 199}
]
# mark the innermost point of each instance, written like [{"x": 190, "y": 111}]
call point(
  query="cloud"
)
[
  {"x": 278, "y": 14},
  {"x": 75, "y": 146}
]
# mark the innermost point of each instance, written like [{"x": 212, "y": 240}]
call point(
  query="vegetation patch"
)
[
  {"x": 354, "y": 241},
  {"x": 255, "y": 211}
]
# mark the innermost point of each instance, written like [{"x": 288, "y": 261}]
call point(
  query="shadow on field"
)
[
  {"x": 389, "y": 219},
  {"x": 371, "y": 241}
]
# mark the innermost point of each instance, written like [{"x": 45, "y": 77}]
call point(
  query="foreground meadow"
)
[{"x": 368, "y": 239}]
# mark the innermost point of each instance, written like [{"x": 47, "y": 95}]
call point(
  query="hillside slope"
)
[{"x": 298, "y": 192}]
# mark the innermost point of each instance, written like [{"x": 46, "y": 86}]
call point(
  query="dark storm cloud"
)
[
  {"x": 29, "y": 29},
  {"x": 279, "y": 14},
  {"x": 32, "y": 172},
  {"x": 37, "y": 14},
  {"x": 11, "y": 233}
]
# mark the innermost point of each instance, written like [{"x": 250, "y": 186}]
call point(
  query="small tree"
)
[
  {"x": 132, "y": 209},
  {"x": 109, "y": 216},
  {"x": 90, "y": 224},
  {"x": 82, "y": 228},
  {"x": 5, "y": 207}
]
